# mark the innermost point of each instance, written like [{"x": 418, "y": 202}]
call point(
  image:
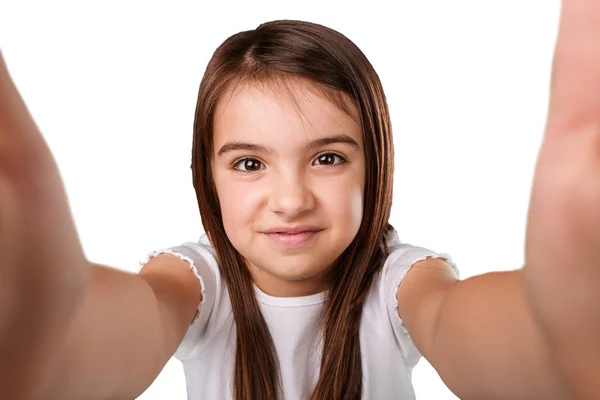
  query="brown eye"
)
[
  {"x": 329, "y": 159},
  {"x": 248, "y": 165}
]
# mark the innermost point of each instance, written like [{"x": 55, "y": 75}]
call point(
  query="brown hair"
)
[{"x": 334, "y": 65}]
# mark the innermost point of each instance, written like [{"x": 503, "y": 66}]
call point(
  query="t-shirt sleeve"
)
[
  {"x": 204, "y": 265},
  {"x": 397, "y": 265}
]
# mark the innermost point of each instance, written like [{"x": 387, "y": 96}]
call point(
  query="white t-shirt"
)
[{"x": 208, "y": 348}]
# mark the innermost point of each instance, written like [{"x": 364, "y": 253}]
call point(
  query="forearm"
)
[
  {"x": 562, "y": 272},
  {"x": 37, "y": 298},
  {"x": 42, "y": 266}
]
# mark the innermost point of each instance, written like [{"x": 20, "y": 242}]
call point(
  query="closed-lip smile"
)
[
  {"x": 292, "y": 236},
  {"x": 292, "y": 230}
]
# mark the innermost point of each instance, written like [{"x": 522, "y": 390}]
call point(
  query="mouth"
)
[{"x": 292, "y": 236}]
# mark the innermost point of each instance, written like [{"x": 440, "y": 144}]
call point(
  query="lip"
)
[
  {"x": 292, "y": 237},
  {"x": 291, "y": 230}
]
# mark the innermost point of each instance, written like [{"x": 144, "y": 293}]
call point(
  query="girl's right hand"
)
[{"x": 43, "y": 270}]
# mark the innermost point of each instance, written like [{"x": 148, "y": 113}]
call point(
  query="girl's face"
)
[{"x": 290, "y": 176}]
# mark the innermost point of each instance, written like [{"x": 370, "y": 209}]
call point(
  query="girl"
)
[{"x": 300, "y": 288}]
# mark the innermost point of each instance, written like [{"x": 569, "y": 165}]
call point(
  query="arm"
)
[
  {"x": 562, "y": 254},
  {"x": 43, "y": 270},
  {"x": 70, "y": 329},
  {"x": 533, "y": 333},
  {"x": 478, "y": 333},
  {"x": 126, "y": 330}
]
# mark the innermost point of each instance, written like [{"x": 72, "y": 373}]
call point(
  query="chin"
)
[{"x": 293, "y": 268}]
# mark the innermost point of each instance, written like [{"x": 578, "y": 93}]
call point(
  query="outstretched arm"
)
[
  {"x": 43, "y": 270},
  {"x": 478, "y": 333},
  {"x": 70, "y": 329},
  {"x": 562, "y": 272},
  {"x": 532, "y": 333}
]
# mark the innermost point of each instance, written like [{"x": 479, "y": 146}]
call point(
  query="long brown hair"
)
[{"x": 274, "y": 51}]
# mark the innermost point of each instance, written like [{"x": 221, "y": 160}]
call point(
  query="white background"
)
[{"x": 113, "y": 86}]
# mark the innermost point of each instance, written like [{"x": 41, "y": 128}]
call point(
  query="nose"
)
[{"x": 291, "y": 197}]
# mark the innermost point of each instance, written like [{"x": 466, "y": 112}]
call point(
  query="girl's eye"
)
[
  {"x": 329, "y": 159},
  {"x": 248, "y": 165}
]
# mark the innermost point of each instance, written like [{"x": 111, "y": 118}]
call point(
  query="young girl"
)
[{"x": 300, "y": 288}]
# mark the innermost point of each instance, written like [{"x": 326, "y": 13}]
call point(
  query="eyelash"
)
[{"x": 243, "y": 159}]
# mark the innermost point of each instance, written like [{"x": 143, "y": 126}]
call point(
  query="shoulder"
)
[
  {"x": 202, "y": 259},
  {"x": 383, "y": 301},
  {"x": 200, "y": 256},
  {"x": 403, "y": 256}
]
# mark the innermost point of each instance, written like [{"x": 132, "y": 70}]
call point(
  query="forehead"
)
[{"x": 289, "y": 114}]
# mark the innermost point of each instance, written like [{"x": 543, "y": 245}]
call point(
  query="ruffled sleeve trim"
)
[{"x": 192, "y": 265}]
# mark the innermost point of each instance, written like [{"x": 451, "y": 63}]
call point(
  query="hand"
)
[
  {"x": 42, "y": 266},
  {"x": 562, "y": 268}
]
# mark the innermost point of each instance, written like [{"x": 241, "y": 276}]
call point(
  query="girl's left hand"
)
[{"x": 562, "y": 263}]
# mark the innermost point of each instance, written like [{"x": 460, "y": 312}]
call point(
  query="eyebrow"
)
[{"x": 259, "y": 148}]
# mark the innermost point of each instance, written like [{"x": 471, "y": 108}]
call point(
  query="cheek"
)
[
  {"x": 239, "y": 202},
  {"x": 343, "y": 201}
]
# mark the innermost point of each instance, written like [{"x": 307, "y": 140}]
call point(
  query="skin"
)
[
  {"x": 533, "y": 333},
  {"x": 540, "y": 324},
  {"x": 289, "y": 183}
]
